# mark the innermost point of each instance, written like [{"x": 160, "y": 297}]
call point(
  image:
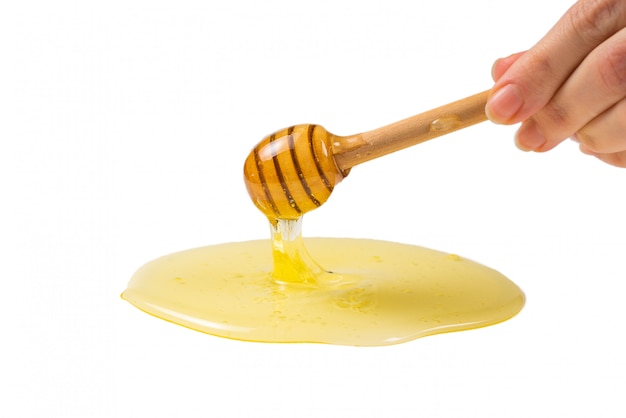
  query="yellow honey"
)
[{"x": 322, "y": 290}]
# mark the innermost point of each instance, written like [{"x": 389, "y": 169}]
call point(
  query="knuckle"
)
[
  {"x": 594, "y": 20},
  {"x": 612, "y": 68},
  {"x": 605, "y": 133},
  {"x": 555, "y": 115},
  {"x": 539, "y": 66},
  {"x": 543, "y": 68}
]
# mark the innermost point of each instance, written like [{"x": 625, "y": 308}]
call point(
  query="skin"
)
[{"x": 571, "y": 84}]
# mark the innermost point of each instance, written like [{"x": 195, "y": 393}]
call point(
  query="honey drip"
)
[{"x": 345, "y": 291}]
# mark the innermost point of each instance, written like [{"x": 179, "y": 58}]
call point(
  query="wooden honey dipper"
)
[{"x": 294, "y": 170}]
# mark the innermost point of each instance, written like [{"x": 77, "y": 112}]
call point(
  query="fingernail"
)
[
  {"x": 586, "y": 150},
  {"x": 493, "y": 69},
  {"x": 504, "y": 104},
  {"x": 529, "y": 137}
]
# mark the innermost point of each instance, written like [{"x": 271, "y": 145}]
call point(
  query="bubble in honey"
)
[
  {"x": 323, "y": 290},
  {"x": 446, "y": 123}
]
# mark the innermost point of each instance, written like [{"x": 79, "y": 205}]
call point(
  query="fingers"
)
[
  {"x": 618, "y": 159},
  {"x": 594, "y": 87},
  {"x": 605, "y": 136},
  {"x": 606, "y": 133},
  {"x": 502, "y": 65},
  {"x": 531, "y": 81},
  {"x": 571, "y": 84}
]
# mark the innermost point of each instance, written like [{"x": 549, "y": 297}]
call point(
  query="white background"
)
[{"x": 124, "y": 126}]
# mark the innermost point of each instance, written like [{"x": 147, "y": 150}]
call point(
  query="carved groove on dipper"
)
[{"x": 296, "y": 164}]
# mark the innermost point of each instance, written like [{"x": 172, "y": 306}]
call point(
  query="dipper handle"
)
[
  {"x": 356, "y": 149},
  {"x": 294, "y": 170}
]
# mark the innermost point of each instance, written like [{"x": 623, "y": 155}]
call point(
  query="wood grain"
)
[{"x": 356, "y": 149}]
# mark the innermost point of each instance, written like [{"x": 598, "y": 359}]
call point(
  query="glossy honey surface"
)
[
  {"x": 323, "y": 290},
  {"x": 292, "y": 171}
]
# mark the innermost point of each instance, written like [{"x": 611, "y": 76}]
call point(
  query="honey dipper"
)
[{"x": 294, "y": 170}]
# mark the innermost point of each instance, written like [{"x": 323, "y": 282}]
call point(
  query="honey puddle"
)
[{"x": 357, "y": 292}]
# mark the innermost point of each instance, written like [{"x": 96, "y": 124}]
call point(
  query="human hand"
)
[{"x": 572, "y": 83}]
